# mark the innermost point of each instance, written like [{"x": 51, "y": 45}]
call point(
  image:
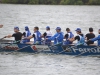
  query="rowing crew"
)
[{"x": 58, "y": 37}]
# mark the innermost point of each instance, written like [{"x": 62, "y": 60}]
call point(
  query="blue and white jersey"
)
[
  {"x": 69, "y": 35},
  {"x": 27, "y": 33},
  {"x": 81, "y": 41},
  {"x": 37, "y": 37},
  {"x": 58, "y": 38},
  {"x": 49, "y": 34}
]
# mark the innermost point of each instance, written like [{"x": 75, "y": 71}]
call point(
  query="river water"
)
[{"x": 53, "y": 16}]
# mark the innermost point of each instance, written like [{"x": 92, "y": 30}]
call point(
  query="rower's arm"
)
[
  {"x": 95, "y": 39},
  {"x": 8, "y": 36},
  {"x": 72, "y": 39},
  {"x": 53, "y": 37},
  {"x": 29, "y": 37}
]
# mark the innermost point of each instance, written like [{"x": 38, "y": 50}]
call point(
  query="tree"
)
[{"x": 85, "y": 1}]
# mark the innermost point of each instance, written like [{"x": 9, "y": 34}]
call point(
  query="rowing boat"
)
[{"x": 55, "y": 49}]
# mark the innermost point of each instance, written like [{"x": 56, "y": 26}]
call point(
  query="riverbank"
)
[{"x": 53, "y": 2}]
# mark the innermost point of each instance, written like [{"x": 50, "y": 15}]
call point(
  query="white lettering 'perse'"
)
[{"x": 84, "y": 50}]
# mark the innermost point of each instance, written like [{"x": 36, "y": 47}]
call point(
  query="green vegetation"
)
[{"x": 62, "y": 2}]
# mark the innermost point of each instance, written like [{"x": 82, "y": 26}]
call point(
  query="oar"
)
[
  {"x": 2, "y": 38},
  {"x": 21, "y": 48}
]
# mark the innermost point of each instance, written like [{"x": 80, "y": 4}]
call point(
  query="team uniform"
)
[
  {"x": 58, "y": 38},
  {"x": 80, "y": 39},
  {"x": 37, "y": 37},
  {"x": 96, "y": 39},
  {"x": 27, "y": 33},
  {"x": 90, "y": 36},
  {"x": 47, "y": 34},
  {"x": 69, "y": 35}
]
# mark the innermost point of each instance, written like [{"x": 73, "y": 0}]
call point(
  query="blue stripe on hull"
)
[
  {"x": 26, "y": 49},
  {"x": 56, "y": 49}
]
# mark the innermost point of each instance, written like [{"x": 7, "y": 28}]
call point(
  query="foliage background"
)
[{"x": 54, "y": 2}]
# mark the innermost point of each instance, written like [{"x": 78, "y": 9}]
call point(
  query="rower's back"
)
[
  {"x": 89, "y": 36},
  {"x": 18, "y": 36}
]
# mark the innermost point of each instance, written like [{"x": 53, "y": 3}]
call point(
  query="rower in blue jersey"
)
[
  {"x": 27, "y": 33},
  {"x": 68, "y": 36},
  {"x": 58, "y": 37},
  {"x": 97, "y": 38},
  {"x": 47, "y": 34},
  {"x": 80, "y": 37},
  {"x": 36, "y": 35}
]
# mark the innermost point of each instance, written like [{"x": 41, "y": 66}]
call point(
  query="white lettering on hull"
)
[{"x": 84, "y": 50}]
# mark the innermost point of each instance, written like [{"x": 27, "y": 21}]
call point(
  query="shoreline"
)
[{"x": 51, "y": 4}]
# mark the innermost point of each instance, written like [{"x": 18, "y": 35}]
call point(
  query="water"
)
[{"x": 53, "y": 16}]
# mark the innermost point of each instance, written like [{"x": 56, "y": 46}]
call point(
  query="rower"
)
[
  {"x": 58, "y": 37},
  {"x": 97, "y": 38},
  {"x": 17, "y": 35},
  {"x": 68, "y": 36},
  {"x": 36, "y": 35},
  {"x": 80, "y": 37},
  {"x": 27, "y": 33},
  {"x": 47, "y": 34},
  {"x": 89, "y": 36}
]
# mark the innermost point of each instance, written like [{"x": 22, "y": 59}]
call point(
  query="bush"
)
[{"x": 63, "y": 2}]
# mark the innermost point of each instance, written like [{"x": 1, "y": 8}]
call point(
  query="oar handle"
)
[{"x": 3, "y": 38}]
